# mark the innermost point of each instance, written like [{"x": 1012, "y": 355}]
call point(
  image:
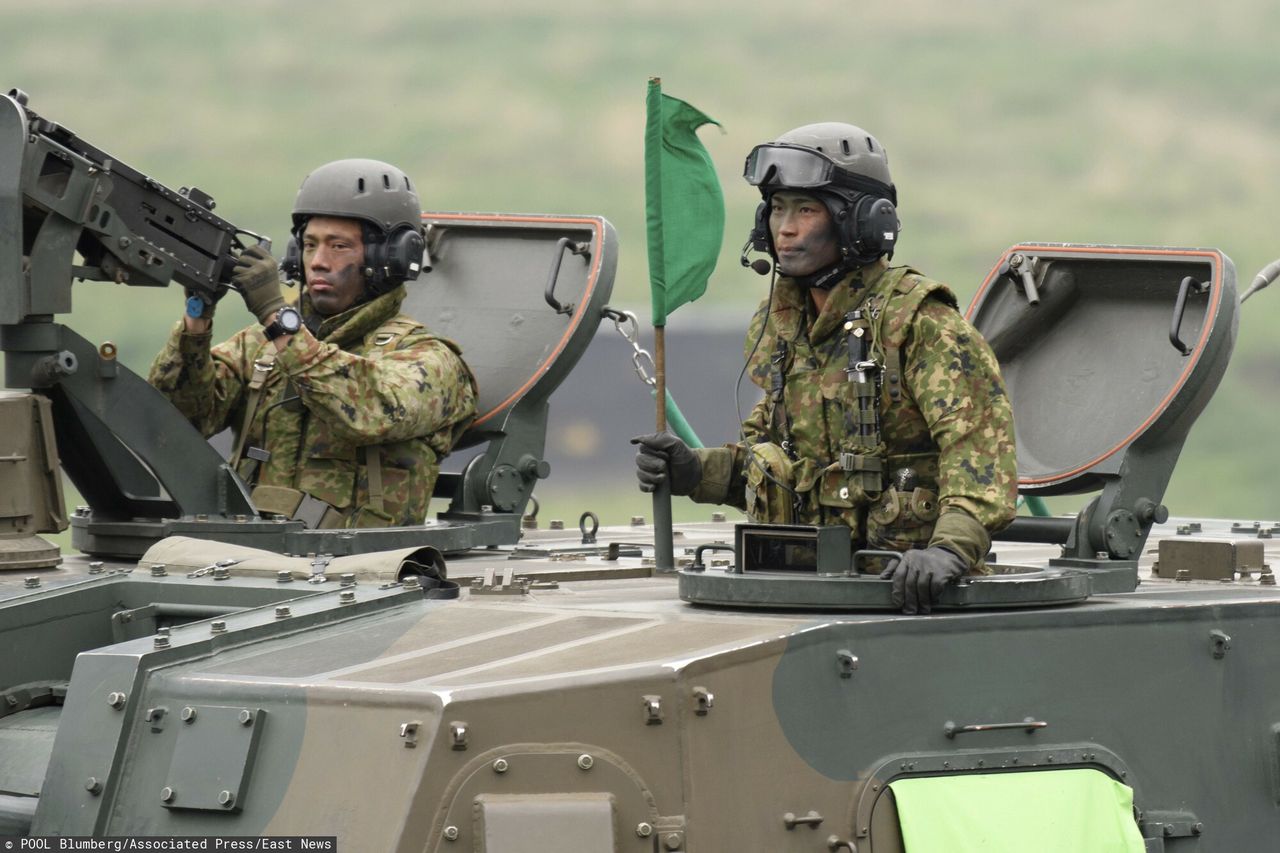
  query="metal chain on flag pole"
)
[
  {"x": 642, "y": 362},
  {"x": 629, "y": 327}
]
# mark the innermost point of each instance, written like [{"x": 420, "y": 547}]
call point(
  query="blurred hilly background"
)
[{"x": 1144, "y": 122}]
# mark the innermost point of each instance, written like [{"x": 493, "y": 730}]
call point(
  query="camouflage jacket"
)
[
  {"x": 369, "y": 380},
  {"x": 948, "y": 474}
]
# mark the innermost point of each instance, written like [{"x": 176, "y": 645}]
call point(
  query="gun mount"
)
[
  {"x": 144, "y": 472},
  {"x": 59, "y": 197}
]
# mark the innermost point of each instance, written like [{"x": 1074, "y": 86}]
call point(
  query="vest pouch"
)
[
  {"x": 329, "y": 465},
  {"x": 367, "y": 516},
  {"x": 285, "y": 502},
  {"x": 277, "y": 500},
  {"x": 854, "y": 481},
  {"x": 900, "y": 521},
  {"x": 767, "y": 502}
]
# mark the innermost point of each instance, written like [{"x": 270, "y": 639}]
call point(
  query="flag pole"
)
[
  {"x": 664, "y": 556},
  {"x": 664, "y": 549}
]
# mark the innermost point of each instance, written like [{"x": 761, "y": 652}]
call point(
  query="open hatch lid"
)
[
  {"x": 1118, "y": 350},
  {"x": 1109, "y": 354}
]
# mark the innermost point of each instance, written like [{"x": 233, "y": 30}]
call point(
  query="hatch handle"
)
[
  {"x": 865, "y": 555},
  {"x": 1020, "y": 269},
  {"x": 1179, "y": 307},
  {"x": 550, "y": 294},
  {"x": 698, "y": 565},
  {"x": 1030, "y": 725}
]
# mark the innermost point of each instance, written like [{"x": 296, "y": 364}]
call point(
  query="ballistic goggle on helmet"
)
[{"x": 828, "y": 156}]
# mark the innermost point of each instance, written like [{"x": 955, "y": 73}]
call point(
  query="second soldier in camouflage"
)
[
  {"x": 884, "y": 410},
  {"x": 342, "y": 410}
]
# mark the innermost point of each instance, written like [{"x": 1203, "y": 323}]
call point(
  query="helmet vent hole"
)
[
  {"x": 386, "y": 181},
  {"x": 360, "y": 185},
  {"x": 871, "y": 146},
  {"x": 844, "y": 146}
]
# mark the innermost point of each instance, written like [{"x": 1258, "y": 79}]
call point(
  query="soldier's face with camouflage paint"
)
[
  {"x": 333, "y": 259},
  {"x": 804, "y": 236}
]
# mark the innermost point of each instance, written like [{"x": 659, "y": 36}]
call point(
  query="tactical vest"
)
[
  {"x": 296, "y": 503},
  {"x": 869, "y": 461}
]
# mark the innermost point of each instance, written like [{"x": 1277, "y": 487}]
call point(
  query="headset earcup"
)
[
  {"x": 404, "y": 254},
  {"x": 394, "y": 259},
  {"x": 760, "y": 238},
  {"x": 874, "y": 228},
  {"x": 292, "y": 263},
  {"x": 882, "y": 226}
]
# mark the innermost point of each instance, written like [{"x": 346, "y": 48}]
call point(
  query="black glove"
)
[
  {"x": 257, "y": 277},
  {"x": 920, "y": 576},
  {"x": 661, "y": 453}
]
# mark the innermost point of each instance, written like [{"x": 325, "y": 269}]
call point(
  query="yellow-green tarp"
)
[{"x": 1052, "y": 811}]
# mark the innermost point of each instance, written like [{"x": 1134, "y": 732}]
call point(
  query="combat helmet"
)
[
  {"x": 383, "y": 200},
  {"x": 844, "y": 166}
]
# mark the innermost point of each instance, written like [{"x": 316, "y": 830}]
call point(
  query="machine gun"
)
[
  {"x": 128, "y": 228},
  {"x": 143, "y": 470}
]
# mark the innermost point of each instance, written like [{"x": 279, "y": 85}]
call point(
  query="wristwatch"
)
[{"x": 287, "y": 321}]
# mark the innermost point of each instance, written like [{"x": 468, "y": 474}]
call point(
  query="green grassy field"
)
[{"x": 1140, "y": 123}]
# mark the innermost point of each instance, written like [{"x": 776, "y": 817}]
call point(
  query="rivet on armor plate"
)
[{"x": 586, "y": 762}]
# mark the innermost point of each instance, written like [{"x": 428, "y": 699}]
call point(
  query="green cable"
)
[
  {"x": 675, "y": 420},
  {"x": 1035, "y": 505}
]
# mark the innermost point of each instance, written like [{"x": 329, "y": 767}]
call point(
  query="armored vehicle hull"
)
[{"x": 583, "y": 700}]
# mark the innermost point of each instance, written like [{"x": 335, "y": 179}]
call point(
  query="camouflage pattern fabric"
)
[
  {"x": 369, "y": 380},
  {"x": 949, "y": 465}
]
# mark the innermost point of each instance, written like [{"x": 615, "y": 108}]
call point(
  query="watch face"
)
[{"x": 289, "y": 319}]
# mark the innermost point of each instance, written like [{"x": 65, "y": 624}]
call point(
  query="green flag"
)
[{"x": 684, "y": 208}]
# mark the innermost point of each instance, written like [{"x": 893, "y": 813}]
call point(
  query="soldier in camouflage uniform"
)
[
  {"x": 883, "y": 409},
  {"x": 343, "y": 406}
]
